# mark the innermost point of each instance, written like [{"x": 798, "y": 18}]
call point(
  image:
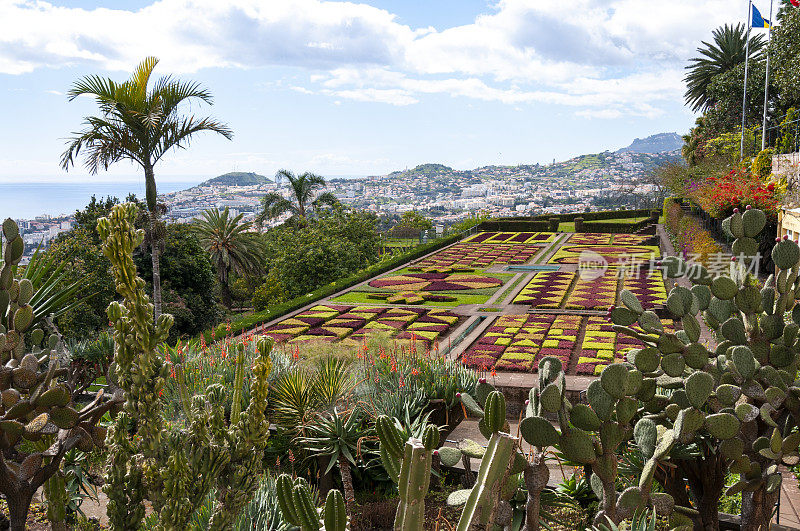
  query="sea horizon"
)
[{"x": 26, "y": 200}]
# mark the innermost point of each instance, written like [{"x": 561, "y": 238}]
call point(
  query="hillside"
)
[
  {"x": 632, "y": 163},
  {"x": 237, "y": 178},
  {"x": 660, "y": 143}
]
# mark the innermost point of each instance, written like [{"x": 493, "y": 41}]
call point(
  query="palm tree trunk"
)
[
  {"x": 152, "y": 208},
  {"x": 347, "y": 485}
]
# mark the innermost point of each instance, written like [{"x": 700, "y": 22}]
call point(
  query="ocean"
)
[{"x": 28, "y": 200}]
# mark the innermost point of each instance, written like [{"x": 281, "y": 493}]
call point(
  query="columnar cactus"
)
[
  {"x": 36, "y": 401},
  {"x": 743, "y": 399},
  {"x": 297, "y": 506},
  {"x": 408, "y": 465},
  {"x": 174, "y": 469}
]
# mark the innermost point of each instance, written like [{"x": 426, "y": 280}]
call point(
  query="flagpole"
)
[
  {"x": 766, "y": 82},
  {"x": 746, "y": 61}
]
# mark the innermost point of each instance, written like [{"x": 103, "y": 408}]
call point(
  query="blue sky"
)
[{"x": 363, "y": 87}]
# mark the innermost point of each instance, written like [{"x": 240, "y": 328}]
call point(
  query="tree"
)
[
  {"x": 726, "y": 92},
  {"x": 139, "y": 123},
  {"x": 187, "y": 275},
  {"x": 334, "y": 246},
  {"x": 785, "y": 59},
  {"x": 230, "y": 245},
  {"x": 722, "y": 55},
  {"x": 411, "y": 224},
  {"x": 189, "y": 288},
  {"x": 303, "y": 187}
]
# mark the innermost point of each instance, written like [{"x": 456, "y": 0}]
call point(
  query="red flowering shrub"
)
[{"x": 739, "y": 188}]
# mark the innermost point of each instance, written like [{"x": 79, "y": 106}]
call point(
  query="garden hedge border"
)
[
  {"x": 279, "y": 310},
  {"x": 615, "y": 228},
  {"x": 596, "y": 216}
]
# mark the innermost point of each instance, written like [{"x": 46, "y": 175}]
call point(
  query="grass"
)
[{"x": 360, "y": 297}]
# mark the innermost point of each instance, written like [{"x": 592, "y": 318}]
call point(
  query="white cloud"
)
[{"x": 606, "y": 58}]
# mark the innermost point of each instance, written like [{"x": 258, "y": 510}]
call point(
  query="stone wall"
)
[{"x": 788, "y": 165}]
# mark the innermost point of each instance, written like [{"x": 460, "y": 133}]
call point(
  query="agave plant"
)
[{"x": 337, "y": 436}]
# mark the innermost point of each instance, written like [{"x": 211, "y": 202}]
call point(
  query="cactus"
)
[
  {"x": 484, "y": 498},
  {"x": 415, "y": 475},
  {"x": 36, "y": 403},
  {"x": 174, "y": 468},
  {"x": 296, "y": 503},
  {"x": 740, "y": 401},
  {"x": 408, "y": 465}
]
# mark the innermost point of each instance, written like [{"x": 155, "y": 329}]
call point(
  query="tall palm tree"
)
[
  {"x": 304, "y": 188},
  {"x": 725, "y": 53},
  {"x": 139, "y": 123},
  {"x": 231, "y": 246}
]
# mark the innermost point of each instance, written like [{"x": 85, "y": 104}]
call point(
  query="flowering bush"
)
[{"x": 738, "y": 188}]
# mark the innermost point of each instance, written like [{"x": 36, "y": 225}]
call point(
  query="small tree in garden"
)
[
  {"x": 173, "y": 467},
  {"x": 37, "y": 409}
]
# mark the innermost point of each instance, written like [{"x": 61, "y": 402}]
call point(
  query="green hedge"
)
[
  {"x": 540, "y": 223},
  {"x": 615, "y": 228},
  {"x": 595, "y": 216},
  {"x": 514, "y": 225},
  {"x": 273, "y": 312}
]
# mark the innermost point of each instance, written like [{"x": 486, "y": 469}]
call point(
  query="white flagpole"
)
[
  {"x": 746, "y": 61},
  {"x": 766, "y": 83}
]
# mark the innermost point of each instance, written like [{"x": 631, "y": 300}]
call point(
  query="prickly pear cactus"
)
[
  {"x": 593, "y": 434},
  {"x": 742, "y": 400},
  {"x": 175, "y": 468},
  {"x": 36, "y": 403}
]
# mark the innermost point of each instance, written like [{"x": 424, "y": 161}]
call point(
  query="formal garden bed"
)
[
  {"x": 612, "y": 254},
  {"x": 482, "y": 253},
  {"x": 580, "y": 291},
  {"x": 518, "y": 342},
  {"x": 334, "y": 322}
]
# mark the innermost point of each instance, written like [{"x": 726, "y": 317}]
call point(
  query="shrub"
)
[
  {"x": 269, "y": 293},
  {"x": 762, "y": 165}
]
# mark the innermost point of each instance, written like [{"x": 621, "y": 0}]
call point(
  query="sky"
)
[{"x": 363, "y": 87}]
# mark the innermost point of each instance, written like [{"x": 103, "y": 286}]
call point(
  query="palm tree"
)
[
  {"x": 724, "y": 54},
  {"x": 139, "y": 123},
  {"x": 231, "y": 246},
  {"x": 303, "y": 189}
]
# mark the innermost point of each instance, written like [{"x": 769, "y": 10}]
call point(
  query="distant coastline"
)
[{"x": 26, "y": 200}]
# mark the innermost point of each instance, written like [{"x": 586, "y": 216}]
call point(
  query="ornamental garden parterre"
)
[{"x": 548, "y": 303}]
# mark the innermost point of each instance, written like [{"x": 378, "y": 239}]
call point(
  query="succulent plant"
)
[
  {"x": 297, "y": 506},
  {"x": 409, "y": 465},
  {"x": 36, "y": 401},
  {"x": 174, "y": 468},
  {"x": 741, "y": 400}
]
